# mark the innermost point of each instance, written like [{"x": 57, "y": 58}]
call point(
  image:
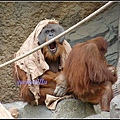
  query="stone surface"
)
[
  {"x": 73, "y": 108},
  {"x": 19, "y": 105},
  {"x": 101, "y": 115},
  {"x": 115, "y": 107},
  {"x": 67, "y": 108}
]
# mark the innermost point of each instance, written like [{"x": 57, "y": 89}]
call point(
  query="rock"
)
[
  {"x": 19, "y": 106},
  {"x": 73, "y": 108},
  {"x": 4, "y": 113},
  {"x": 39, "y": 111},
  {"x": 14, "y": 112},
  {"x": 103, "y": 114},
  {"x": 115, "y": 107},
  {"x": 67, "y": 108}
]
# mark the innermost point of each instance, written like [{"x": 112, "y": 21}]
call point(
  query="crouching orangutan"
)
[
  {"x": 87, "y": 74},
  {"x": 37, "y": 73}
]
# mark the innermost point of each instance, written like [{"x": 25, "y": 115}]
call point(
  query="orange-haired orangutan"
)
[
  {"x": 49, "y": 61},
  {"x": 88, "y": 75}
]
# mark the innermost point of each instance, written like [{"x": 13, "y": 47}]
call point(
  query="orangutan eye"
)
[
  {"x": 47, "y": 31},
  {"x": 52, "y": 30}
]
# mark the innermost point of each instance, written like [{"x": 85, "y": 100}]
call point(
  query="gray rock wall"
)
[{"x": 104, "y": 24}]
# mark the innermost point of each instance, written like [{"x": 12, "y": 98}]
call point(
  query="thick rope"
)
[{"x": 58, "y": 36}]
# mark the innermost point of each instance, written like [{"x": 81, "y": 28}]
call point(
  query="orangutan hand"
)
[{"x": 60, "y": 89}]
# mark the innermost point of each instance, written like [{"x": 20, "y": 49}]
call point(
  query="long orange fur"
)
[
  {"x": 48, "y": 76},
  {"x": 87, "y": 73}
]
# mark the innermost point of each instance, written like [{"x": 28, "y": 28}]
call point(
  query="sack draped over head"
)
[{"x": 35, "y": 63}]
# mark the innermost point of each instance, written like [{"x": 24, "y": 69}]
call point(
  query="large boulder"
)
[{"x": 68, "y": 108}]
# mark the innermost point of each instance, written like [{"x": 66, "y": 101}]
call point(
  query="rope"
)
[{"x": 58, "y": 36}]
